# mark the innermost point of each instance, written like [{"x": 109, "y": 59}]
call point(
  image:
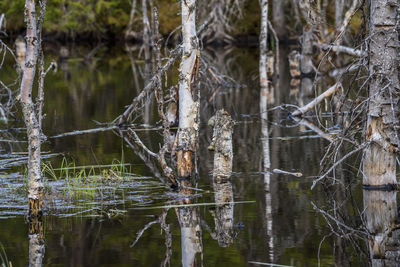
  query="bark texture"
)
[
  {"x": 223, "y": 155},
  {"x": 383, "y": 113},
  {"x": 35, "y": 182},
  {"x": 263, "y": 56},
  {"x": 188, "y": 105}
]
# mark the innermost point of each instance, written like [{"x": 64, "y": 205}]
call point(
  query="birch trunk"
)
[
  {"x": 264, "y": 119},
  {"x": 35, "y": 182},
  {"x": 263, "y": 57},
  {"x": 188, "y": 105},
  {"x": 383, "y": 113}
]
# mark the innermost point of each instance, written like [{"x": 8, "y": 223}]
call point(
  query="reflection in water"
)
[
  {"x": 267, "y": 174},
  {"x": 189, "y": 221},
  {"x": 223, "y": 212},
  {"x": 381, "y": 223},
  {"x": 36, "y": 242}
]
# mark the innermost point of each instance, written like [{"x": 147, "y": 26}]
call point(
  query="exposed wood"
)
[
  {"x": 188, "y": 104},
  {"x": 342, "y": 49},
  {"x": 383, "y": 111}
]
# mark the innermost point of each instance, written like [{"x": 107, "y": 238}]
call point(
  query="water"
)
[{"x": 98, "y": 229}]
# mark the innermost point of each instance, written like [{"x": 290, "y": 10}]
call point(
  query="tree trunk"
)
[
  {"x": 263, "y": 57},
  {"x": 35, "y": 182},
  {"x": 222, "y": 185},
  {"x": 188, "y": 105},
  {"x": 278, "y": 18},
  {"x": 383, "y": 123}
]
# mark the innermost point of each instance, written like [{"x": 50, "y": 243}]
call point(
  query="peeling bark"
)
[
  {"x": 383, "y": 113},
  {"x": 263, "y": 66},
  {"x": 31, "y": 118},
  {"x": 188, "y": 105}
]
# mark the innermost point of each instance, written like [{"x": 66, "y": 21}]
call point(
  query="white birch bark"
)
[
  {"x": 188, "y": 106},
  {"x": 264, "y": 119},
  {"x": 263, "y": 57},
  {"x": 383, "y": 113},
  {"x": 35, "y": 182}
]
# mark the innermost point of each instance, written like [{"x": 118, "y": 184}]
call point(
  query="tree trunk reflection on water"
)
[
  {"x": 189, "y": 221},
  {"x": 381, "y": 222},
  {"x": 36, "y": 242}
]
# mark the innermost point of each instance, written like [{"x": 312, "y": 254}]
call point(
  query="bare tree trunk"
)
[
  {"x": 264, "y": 119},
  {"x": 278, "y": 18},
  {"x": 223, "y": 192},
  {"x": 383, "y": 113},
  {"x": 31, "y": 116},
  {"x": 129, "y": 34},
  {"x": 188, "y": 105},
  {"x": 263, "y": 57},
  {"x": 339, "y": 7}
]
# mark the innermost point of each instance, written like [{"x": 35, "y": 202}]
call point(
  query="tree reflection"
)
[
  {"x": 36, "y": 242},
  {"x": 189, "y": 221}
]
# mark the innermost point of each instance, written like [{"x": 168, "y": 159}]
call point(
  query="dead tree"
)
[
  {"x": 32, "y": 116},
  {"x": 383, "y": 112},
  {"x": 263, "y": 66},
  {"x": 223, "y": 154},
  {"x": 188, "y": 99}
]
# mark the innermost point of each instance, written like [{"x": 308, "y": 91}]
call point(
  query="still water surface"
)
[{"x": 98, "y": 229}]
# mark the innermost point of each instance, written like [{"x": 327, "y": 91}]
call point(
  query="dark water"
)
[{"x": 98, "y": 229}]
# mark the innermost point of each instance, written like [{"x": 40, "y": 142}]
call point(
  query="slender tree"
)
[
  {"x": 32, "y": 116},
  {"x": 188, "y": 104}
]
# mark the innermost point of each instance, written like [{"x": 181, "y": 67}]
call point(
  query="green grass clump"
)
[{"x": 81, "y": 181}]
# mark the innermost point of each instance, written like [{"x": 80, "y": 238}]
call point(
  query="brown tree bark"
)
[{"x": 383, "y": 113}]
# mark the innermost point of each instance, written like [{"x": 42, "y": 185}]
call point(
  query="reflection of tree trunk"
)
[
  {"x": 129, "y": 33},
  {"x": 383, "y": 113},
  {"x": 278, "y": 18},
  {"x": 189, "y": 221},
  {"x": 264, "y": 120},
  {"x": 380, "y": 218},
  {"x": 306, "y": 64},
  {"x": 147, "y": 59},
  {"x": 36, "y": 243},
  {"x": 188, "y": 106}
]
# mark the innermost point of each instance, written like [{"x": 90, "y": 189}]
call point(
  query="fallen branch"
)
[
  {"x": 342, "y": 49},
  {"x": 314, "y": 128},
  {"x": 317, "y": 100}
]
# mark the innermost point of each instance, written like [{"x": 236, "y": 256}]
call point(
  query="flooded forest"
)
[{"x": 199, "y": 133}]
